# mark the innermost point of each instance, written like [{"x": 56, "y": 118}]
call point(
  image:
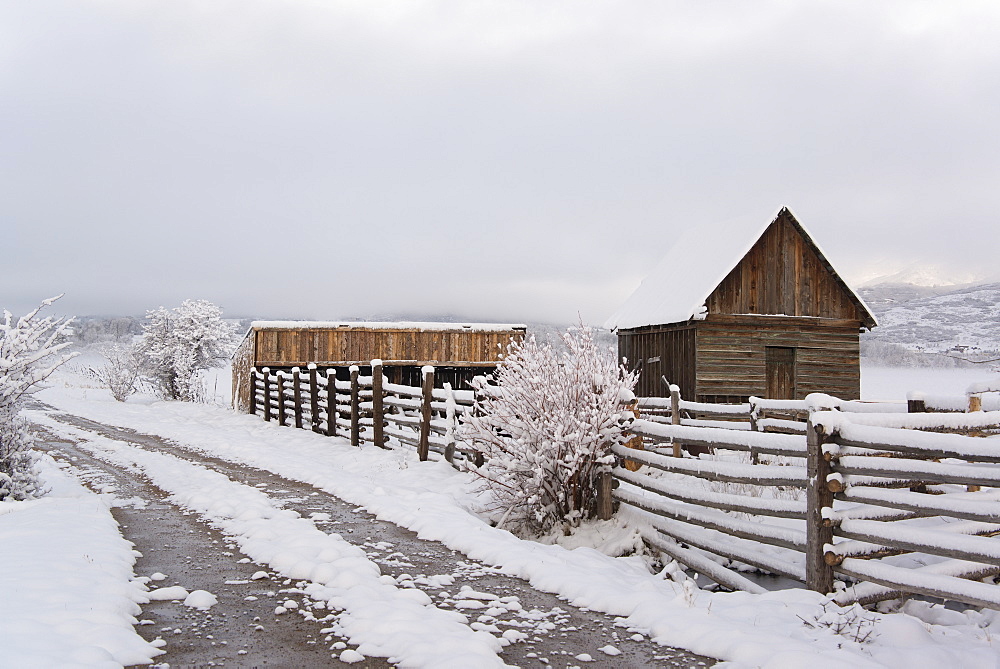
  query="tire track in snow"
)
[
  {"x": 546, "y": 628},
  {"x": 241, "y": 629},
  {"x": 382, "y": 618}
]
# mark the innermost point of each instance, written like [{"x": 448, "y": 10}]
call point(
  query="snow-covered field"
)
[
  {"x": 66, "y": 568},
  {"x": 893, "y": 383}
]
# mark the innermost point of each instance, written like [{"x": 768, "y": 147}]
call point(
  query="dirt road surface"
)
[{"x": 244, "y": 630}]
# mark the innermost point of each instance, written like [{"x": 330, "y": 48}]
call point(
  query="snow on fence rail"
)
[
  {"x": 788, "y": 416},
  {"x": 904, "y": 492},
  {"x": 852, "y": 497},
  {"x": 365, "y": 408}
]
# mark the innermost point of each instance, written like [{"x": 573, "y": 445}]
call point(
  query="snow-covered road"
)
[
  {"x": 476, "y": 610},
  {"x": 180, "y": 550},
  {"x": 438, "y": 504}
]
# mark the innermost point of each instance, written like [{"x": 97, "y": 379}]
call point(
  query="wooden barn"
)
[
  {"x": 458, "y": 351},
  {"x": 735, "y": 311}
]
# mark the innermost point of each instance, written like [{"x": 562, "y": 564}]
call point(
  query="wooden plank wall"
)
[
  {"x": 675, "y": 348},
  {"x": 731, "y": 355},
  {"x": 288, "y": 348},
  {"x": 782, "y": 274}
]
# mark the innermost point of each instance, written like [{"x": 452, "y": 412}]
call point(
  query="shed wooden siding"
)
[
  {"x": 731, "y": 354},
  {"x": 660, "y": 351},
  {"x": 783, "y": 274},
  {"x": 298, "y": 347}
]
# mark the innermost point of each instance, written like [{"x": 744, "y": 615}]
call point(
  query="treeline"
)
[
  {"x": 888, "y": 354},
  {"x": 87, "y": 330}
]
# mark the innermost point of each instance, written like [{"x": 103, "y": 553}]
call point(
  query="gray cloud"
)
[{"x": 507, "y": 160}]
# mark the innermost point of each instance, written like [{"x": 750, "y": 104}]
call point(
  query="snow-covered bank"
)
[
  {"x": 434, "y": 500},
  {"x": 66, "y": 582}
]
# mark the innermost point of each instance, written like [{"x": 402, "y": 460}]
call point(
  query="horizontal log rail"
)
[
  {"x": 871, "y": 493},
  {"x": 966, "y": 415},
  {"x": 778, "y": 508}
]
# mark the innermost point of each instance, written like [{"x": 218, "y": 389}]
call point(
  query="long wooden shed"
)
[
  {"x": 734, "y": 311},
  {"x": 459, "y": 351}
]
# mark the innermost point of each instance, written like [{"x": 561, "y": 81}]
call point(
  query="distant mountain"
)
[
  {"x": 924, "y": 275},
  {"x": 961, "y": 320}
]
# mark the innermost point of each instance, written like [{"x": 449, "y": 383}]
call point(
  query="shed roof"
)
[{"x": 678, "y": 287}]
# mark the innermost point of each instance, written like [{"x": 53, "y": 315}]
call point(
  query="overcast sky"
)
[{"x": 500, "y": 161}]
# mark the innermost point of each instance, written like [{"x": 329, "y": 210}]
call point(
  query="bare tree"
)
[{"x": 120, "y": 372}]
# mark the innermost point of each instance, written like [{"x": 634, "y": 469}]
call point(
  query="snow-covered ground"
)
[
  {"x": 69, "y": 593},
  {"x": 893, "y": 383},
  {"x": 778, "y": 629}
]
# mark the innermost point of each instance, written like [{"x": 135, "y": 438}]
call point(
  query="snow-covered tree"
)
[
  {"x": 178, "y": 344},
  {"x": 546, "y": 422},
  {"x": 30, "y": 351}
]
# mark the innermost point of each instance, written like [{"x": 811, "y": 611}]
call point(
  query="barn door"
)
[{"x": 780, "y": 372}]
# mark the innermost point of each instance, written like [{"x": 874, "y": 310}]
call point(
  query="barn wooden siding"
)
[
  {"x": 732, "y": 356},
  {"x": 358, "y": 346},
  {"x": 660, "y": 351},
  {"x": 783, "y": 274},
  {"x": 458, "y": 353},
  {"x": 724, "y": 358}
]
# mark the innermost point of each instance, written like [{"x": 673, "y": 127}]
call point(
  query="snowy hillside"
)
[{"x": 962, "y": 320}]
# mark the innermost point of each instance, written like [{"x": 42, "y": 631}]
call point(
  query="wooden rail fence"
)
[
  {"x": 789, "y": 416},
  {"x": 887, "y": 499},
  {"x": 365, "y": 408},
  {"x": 872, "y": 497}
]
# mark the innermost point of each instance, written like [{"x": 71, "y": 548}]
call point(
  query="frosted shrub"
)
[
  {"x": 29, "y": 353},
  {"x": 18, "y": 476},
  {"x": 545, "y": 422},
  {"x": 120, "y": 372},
  {"x": 177, "y": 344}
]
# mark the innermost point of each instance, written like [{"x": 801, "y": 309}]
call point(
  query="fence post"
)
[
  {"x": 313, "y": 397},
  {"x": 280, "y": 376},
  {"x": 253, "y": 392},
  {"x": 675, "y": 414},
  {"x": 355, "y": 409},
  {"x": 297, "y": 396},
  {"x": 819, "y": 575},
  {"x": 378, "y": 410},
  {"x": 605, "y": 481},
  {"x": 915, "y": 403},
  {"x": 331, "y": 403},
  {"x": 975, "y": 403},
  {"x": 450, "y": 422},
  {"x": 427, "y": 396},
  {"x": 754, "y": 427},
  {"x": 267, "y": 394}
]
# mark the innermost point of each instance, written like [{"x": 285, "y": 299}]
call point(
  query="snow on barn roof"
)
[
  {"x": 391, "y": 325},
  {"x": 700, "y": 259}
]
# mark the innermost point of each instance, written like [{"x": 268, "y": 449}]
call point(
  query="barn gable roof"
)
[{"x": 678, "y": 287}]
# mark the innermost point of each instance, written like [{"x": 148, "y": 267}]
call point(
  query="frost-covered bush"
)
[
  {"x": 119, "y": 373},
  {"x": 545, "y": 422},
  {"x": 29, "y": 353},
  {"x": 177, "y": 344}
]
